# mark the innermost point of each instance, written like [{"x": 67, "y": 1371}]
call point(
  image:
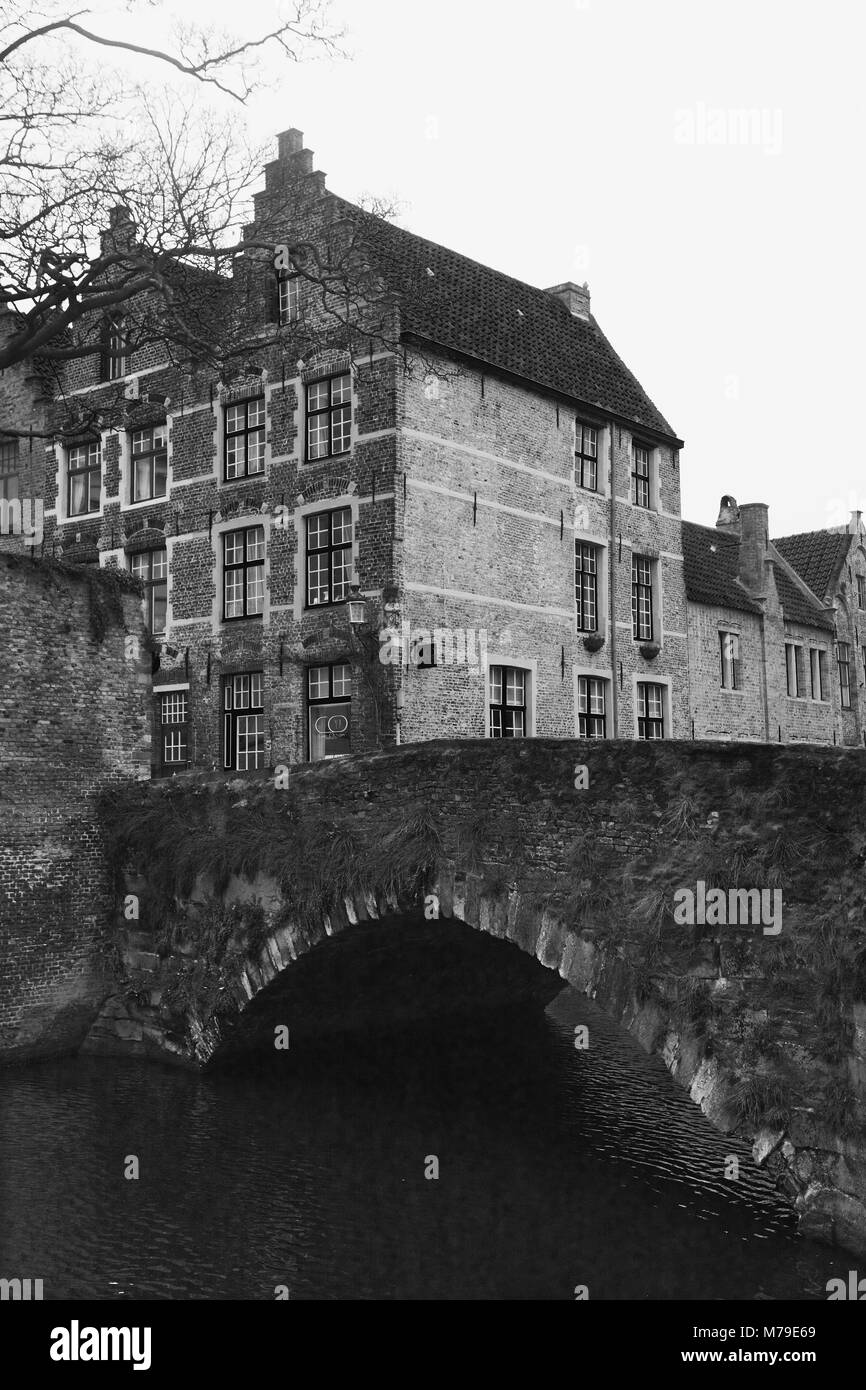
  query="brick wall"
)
[{"x": 73, "y": 716}]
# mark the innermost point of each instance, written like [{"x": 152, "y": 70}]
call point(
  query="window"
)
[
  {"x": 641, "y": 598},
  {"x": 84, "y": 479},
  {"x": 795, "y": 667},
  {"x": 9, "y": 487},
  {"x": 244, "y": 572},
  {"x": 113, "y": 363},
  {"x": 289, "y": 298},
  {"x": 861, "y": 590},
  {"x": 329, "y": 693},
  {"x": 245, "y": 439},
  {"x": 586, "y": 456},
  {"x": 845, "y": 674},
  {"x": 329, "y": 556},
  {"x": 507, "y": 702},
  {"x": 329, "y": 416},
  {"x": 591, "y": 722},
  {"x": 586, "y": 586},
  {"x": 149, "y": 463},
  {"x": 243, "y": 721},
  {"x": 818, "y": 673},
  {"x": 151, "y": 567},
  {"x": 640, "y": 472},
  {"x": 650, "y": 710},
  {"x": 173, "y": 720},
  {"x": 729, "y": 651}
]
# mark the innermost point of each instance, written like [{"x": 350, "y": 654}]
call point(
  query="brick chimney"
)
[
  {"x": 729, "y": 514},
  {"x": 574, "y": 297},
  {"x": 120, "y": 233},
  {"x": 294, "y": 161},
  {"x": 754, "y": 543}
]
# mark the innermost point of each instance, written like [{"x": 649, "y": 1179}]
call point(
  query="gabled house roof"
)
[
  {"x": 711, "y": 561},
  {"x": 817, "y": 556},
  {"x": 528, "y": 332}
]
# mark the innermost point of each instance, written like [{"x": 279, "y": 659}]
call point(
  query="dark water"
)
[{"x": 556, "y": 1168}]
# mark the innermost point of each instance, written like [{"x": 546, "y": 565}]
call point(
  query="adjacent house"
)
[{"x": 775, "y": 650}]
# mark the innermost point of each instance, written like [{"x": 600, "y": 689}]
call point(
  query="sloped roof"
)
[
  {"x": 710, "y": 562},
  {"x": 817, "y": 556},
  {"x": 797, "y": 606},
  {"x": 489, "y": 316}
]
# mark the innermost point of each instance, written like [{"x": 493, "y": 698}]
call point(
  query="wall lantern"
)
[{"x": 357, "y": 606}]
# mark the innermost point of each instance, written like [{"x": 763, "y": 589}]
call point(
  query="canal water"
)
[{"x": 557, "y": 1168}]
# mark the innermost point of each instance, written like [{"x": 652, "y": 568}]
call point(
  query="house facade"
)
[
  {"x": 460, "y": 519},
  {"x": 775, "y": 630}
]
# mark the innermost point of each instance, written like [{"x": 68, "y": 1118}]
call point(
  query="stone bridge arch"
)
[{"x": 455, "y": 894}]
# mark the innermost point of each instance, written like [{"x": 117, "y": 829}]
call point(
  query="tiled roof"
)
[
  {"x": 797, "y": 606},
  {"x": 493, "y": 318},
  {"x": 817, "y": 556},
  {"x": 710, "y": 561}
]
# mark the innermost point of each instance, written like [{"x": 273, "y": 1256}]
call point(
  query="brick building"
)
[
  {"x": 469, "y": 526},
  {"x": 776, "y": 630}
]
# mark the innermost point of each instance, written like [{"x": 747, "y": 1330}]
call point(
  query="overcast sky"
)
[{"x": 700, "y": 164}]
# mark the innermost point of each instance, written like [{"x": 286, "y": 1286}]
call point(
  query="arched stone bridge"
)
[{"x": 464, "y": 875}]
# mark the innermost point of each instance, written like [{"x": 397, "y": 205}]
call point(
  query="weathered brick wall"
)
[
  {"x": 718, "y": 713},
  {"x": 73, "y": 716}
]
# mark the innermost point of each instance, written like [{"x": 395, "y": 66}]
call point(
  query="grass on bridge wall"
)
[{"x": 607, "y": 860}]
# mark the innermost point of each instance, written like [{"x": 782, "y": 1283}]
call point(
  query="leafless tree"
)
[{"x": 78, "y": 137}]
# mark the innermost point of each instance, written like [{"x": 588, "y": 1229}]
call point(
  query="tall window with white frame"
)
[
  {"x": 640, "y": 476},
  {"x": 151, "y": 567},
  {"x": 113, "y": 362},
  {"x": 243, "y": 721},
  {"x": 586, "y": 586},
  {"x": 650, "y": 710},
  {"x": 329, "y": 704},
  {"x": 244, "y": 573},
  {"x": 586, "y": 456},
  {"x": 845, "y": 674},
  {"x": 641, "y": 598},
  {"x": 329, "y": 556},
  {"x": 9, "y": 485},
  {"x": 289, "y": 298},
  {"x": 795, "y": 668},
  {"x": 508, "y": 702},
  {"x": 174, "y": 728},
  {"x": 245, "y": 439},
  {"x": 329, "y": 416},
  {"x": 149, "y": 463},
  {"x": 818, "y": 673},
  {"x": 591, "y": 711},
  {"x": 729, "y": 654},
  {"x": 84, "y": 479}
]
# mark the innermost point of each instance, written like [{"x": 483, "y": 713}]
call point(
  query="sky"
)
[{"x": 699, "y": 164}]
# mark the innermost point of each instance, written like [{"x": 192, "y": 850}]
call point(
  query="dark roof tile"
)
[
  {"x": 711, "y": 560},
  {"x": 817, "y": 556}
]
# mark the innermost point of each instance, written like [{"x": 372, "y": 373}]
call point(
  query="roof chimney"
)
[
  {"x": 120, "y": 234},
  {"x": 754, "y": 543},
  {"x": 729, "y": 514},
  {"x": 855, "y": 525},
  {"x": 574, "y": 297}
]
